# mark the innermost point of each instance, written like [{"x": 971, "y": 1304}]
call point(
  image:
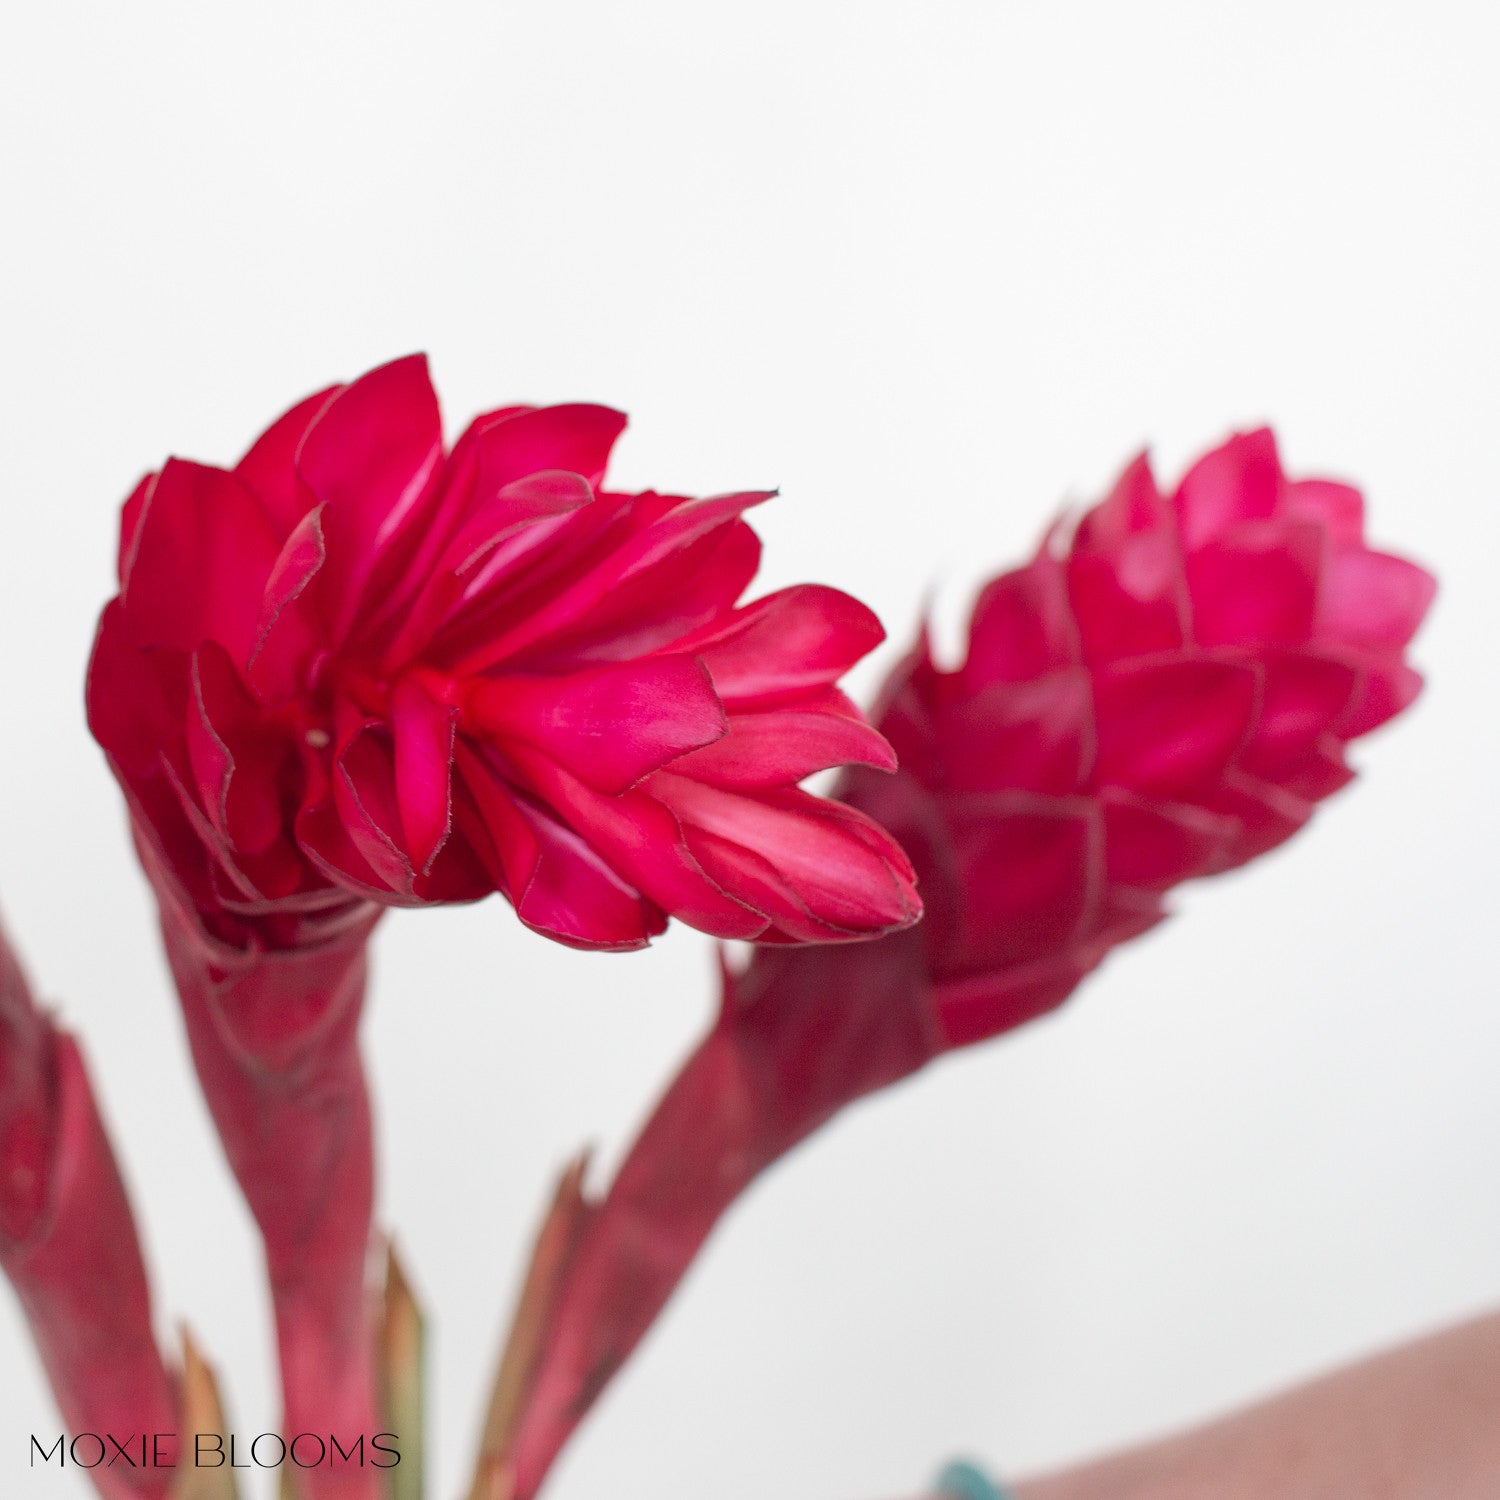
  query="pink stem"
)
[
  {"x": 274, "y": 1037},
  {"x": 68, "y": 1243},
  {"x": 804, "y": 1033}
]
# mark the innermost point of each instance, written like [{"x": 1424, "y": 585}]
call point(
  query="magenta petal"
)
[
  {"x": 488, "y": 809},
  {"x": 1302, "y": 697},
  {"x": 856, "y": 825},
  {"x": 658, "y": 610},
  {"x": 844, "y": 876},
  {"x": 288, "y": 630},
  {"x": 134, "y": 698},
  {"x": 1125, "y": 572},
  {"x": 575, "y": 898},
  {"x": 422, "y": 730},
  {"x": 203, "y": 552},
  {"x": 1037, "y": 735},
  {"x": 642, "y": 841},
  {"x": 1134, "y": 507},
  {"x": 1238, "y": 481},
  {"x": 1030, "y": 880},
  {"x": 907, "y": 712},
  {"x": 269, "y": 469},
  {"x": 558, "y": 884},
  {"x": 1338, "y": 508},
  {"x": 370, "y": 457},
  {"x": 608, "y": 727},
  {"x": 479, "y": 552},
  {"x": 214, "y": 843},
  {"x": 130, "y": 519},
  {"x": 792, "y": 641},
  {"x": 1022, "y": 626},
  {"x": 676, "y": 529},
  {"x": 629, "y": 574},
  {"x": 322, "y": 838},
  {"x": 1372, "y": 601},
  {"x": 364, "y": 795},
  {"x": 1154, "y": 845},
  {"x": 496, "y": 450},
  {"x": 1257, "y": 585},
  {"x": 573, "y": 437},
  {"x": 1323, "y": 772},
  {"x": 760, "y": 884},
  {"x": 1172, "y": 727},
  {"x": 1268, "y": 814},
  {"x": 220, "y": 706},
  {"x": 703, "y": 581},
  {"x": 1382, "y": 693},
  {"x": 1130, "y": 599},
  {"x": 782, "y": 746},
  {"x": 577, "y": 438},
  {"x": 497, "y": 517}
]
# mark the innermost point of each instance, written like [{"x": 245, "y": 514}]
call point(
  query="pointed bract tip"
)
[{"x": 202, "y": 1411}]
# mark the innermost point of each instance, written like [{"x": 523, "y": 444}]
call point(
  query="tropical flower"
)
[
  {"x": 1165, "y": 691},
  {"x": 359, "y": 671},
  {"x": 359, "y": 665}
]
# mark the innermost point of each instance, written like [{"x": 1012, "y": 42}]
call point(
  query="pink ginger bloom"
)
[
  {"x": 358, "y": 671},
  {"x": 68, "y": 1244},
  {"x": 1165, "y": 691},
  {"x": 359, "y": 665}
]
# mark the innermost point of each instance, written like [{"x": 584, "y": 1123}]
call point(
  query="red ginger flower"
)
[
  {"x": 1165, "y": 691},
  {"x": 68, "y": 1244},
  {"x": 356, "y": 671},
  {"x": 358, "y": 665}
]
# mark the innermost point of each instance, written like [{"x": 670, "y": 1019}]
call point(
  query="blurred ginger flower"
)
[
  {"x": 1165, "y": 691},
  {"x": 358, "y": 665}
]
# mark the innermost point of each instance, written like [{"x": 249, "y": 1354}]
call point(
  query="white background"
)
[{"x": 932, "y": 270}]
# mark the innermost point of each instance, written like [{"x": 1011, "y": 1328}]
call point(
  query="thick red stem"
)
[
  {"x": 802, "y": 1034},
  {"x": 68, "y": 1243},
  {"x": 274, "y": 1037}
]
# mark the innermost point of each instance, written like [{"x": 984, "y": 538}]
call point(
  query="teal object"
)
[{"x": 966, "y": 1481}]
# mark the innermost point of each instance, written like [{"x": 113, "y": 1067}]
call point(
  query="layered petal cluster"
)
[
  {"x": 1162, "y": 693},
  {"x": 358, "y": 664},
  {"x": 1165, "y": 691},
  {"x": 69, "y": 1247}
]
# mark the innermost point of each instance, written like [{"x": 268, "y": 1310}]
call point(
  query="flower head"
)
[
  {"x": 1165, "y": 691},
  {"x": 357, "y": 664}
]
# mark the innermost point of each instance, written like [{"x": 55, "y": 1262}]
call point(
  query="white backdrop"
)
[{"x": 932, "y": 270}]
